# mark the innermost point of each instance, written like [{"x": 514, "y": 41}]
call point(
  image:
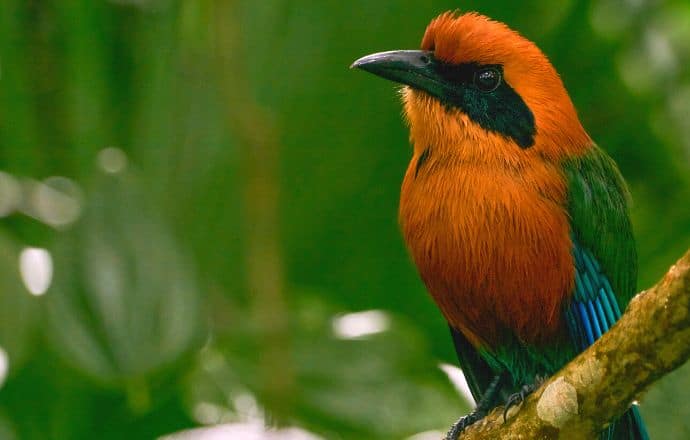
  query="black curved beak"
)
[{"x": 415, "y": 68}]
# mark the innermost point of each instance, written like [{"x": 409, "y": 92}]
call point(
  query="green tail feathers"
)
[{"x": 628, "y": 427}]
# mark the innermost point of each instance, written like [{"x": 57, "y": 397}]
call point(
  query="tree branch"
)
[{"x": 651, "y": 339}]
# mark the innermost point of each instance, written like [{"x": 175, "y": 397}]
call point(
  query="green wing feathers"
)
[{"x": 598, "y": 201}]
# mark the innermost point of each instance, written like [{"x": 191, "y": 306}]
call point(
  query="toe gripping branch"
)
[
  {"x": 485, "y": 404},
  {"x": 519, "y": 397}
]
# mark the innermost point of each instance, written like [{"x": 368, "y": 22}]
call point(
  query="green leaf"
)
[
  {"x": 18, "y": 309},
  {"x": 125, "y": 301}
]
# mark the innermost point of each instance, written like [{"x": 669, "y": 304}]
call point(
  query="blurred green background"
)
[{"x": 198, "y": 198}]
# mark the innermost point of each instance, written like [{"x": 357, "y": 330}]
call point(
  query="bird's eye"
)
[{"x": 487, "y": 79}]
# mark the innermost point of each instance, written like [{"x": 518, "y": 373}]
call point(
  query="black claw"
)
[
  {"x": 462, "y": 423},
  {"x": 485, "y": 404},
  {"x": 519, "y": 397},
  {"x": 514, "y": 400}
]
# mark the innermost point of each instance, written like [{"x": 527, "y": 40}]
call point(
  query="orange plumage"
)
[{"x": 485, "y": 221}]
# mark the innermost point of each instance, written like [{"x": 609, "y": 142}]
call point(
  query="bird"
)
[{"x": 517, "y": 221}]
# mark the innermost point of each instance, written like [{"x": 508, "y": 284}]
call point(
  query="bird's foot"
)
[
  {"x": 464, "y": 421},
  {"x": 519, "y": 397}
]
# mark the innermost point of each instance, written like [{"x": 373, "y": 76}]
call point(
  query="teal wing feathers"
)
[
  {"x": 594, "y": 307},
  {"x": 593, "y": 310}
]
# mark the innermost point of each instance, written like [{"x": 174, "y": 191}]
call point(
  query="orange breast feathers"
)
[{"x": 486, "y": 225}]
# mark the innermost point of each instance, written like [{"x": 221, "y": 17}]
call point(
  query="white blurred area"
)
[
  {"x": 427, "y": 435},
  {"x": 242, "y": 431},
  {"x": 112, "y": 160},
  {"x": 36, "y": 270},
  {"x": 55, "y": 201},
  {"x": 360, "y": 324},
  {"x": 248, "y": 423},
  {"x": 457, "y": 378},
  {"x": 238, "y": 415},
  {"x": 4, "y": 366}
]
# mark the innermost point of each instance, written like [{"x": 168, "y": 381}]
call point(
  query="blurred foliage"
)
[{"x": 228, "y": 188}]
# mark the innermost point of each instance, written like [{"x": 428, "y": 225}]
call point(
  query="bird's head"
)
[{"x": 475, "y": 81}]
